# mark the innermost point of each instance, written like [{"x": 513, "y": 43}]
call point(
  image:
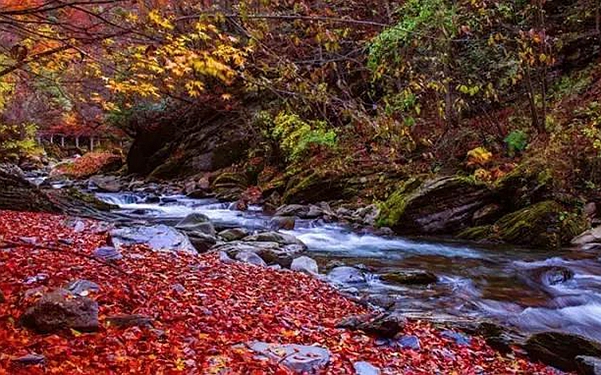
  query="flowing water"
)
[{"x": 533, "y": 290}]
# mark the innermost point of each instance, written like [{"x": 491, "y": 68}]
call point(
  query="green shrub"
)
[
  {"x": 516, "y": 142},
  {"x": 18, "y": 141}
]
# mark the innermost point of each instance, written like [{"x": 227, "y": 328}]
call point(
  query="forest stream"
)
[{"x": 533, "y": 290}]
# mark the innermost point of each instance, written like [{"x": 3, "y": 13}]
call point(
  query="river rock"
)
[
  {"x": 60, "y": 310},
  {"x": 346, "y": 275},
  {"x": 442, "y": 205},
  {"x": 127, "y": 321},
  {"x": 157, "y": 237},
  {"x": 591, "y": 236},
  {"x": 586, "y": 365},
  {"x": 202, "y": 242},
  {"x": 297, "y": 210},
  {"x": 109, "y": 184},
  {"x": 270, "y": 252},
  {"x": 282, "y": 222},
  {"x": 498, "y": 337},
  {"x": 82, "y": 287},
  {"x": 108, "y": 253},
  {"x": 305, "y": 264},
  {"x": 551, "y": 275},
  {"x": 366, "y": 368},
  {"x": 561, "y": 349},
  {"x": 300, "y": 359},
  {"x": 410, "y": 277},
  {"x": 233, "y": 234},
  {"x": 280, "y": 238},
  {"x": 250, "y": 258},
  {"x": 384, "y": 325},
  {"x": 197, "y": 222}
]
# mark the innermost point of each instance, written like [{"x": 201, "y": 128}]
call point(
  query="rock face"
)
[
  {"x": 442, "y": 205},
  {"x": 16, "y": 193},
  {"x": 157, "y": 237},
  {"x": 588, "y": 365},
  {"x": 229, "y": 186},
  {"x": 385, "y": 325},
  {"x": 561, "y": 349},
  {"x": 298, "y": 358},
  {"x": 60, "y": 310},
  {"x": 538, "y": 225}
]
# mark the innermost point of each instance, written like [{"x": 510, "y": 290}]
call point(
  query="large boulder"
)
[
  {"x": 157, "y": 237},
  {"x": 410, "y": 277},
  {"x": 109, "y": 184},
  {"x": 196, "y": 222},
  {"x": 299, "y": 359},
  {"x": 280, "y": 238},
  {"x": 229, "y": 186},
  {"x": 16, "y": 193},
  {"x": 61, "y": 310},
  {"x": 346, "y": 275},
  {"x": 561, "y": 349},
  {"x": 590, "y": 238},
  {"x": 233, "y": 234},
  {"x": 442, "y": 205},
  {"x": 305, "y": 264},
  {"x": 544, "y": 224},
  {"x": 270, "y": 252}
]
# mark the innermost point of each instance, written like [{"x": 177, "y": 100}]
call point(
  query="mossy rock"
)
[
  {"x": 531, "y": 182},
  {"x": 442, "y": 205},
  {"x": 90, "y": 200},
  {"x": 545, "y": 224},
  {"x": 317, "y": 186},
  {"x": 229, "y": 185}
]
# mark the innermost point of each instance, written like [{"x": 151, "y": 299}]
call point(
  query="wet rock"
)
[
  {"x": 270, "y": 252},
  {"x": 384, "y": 325},
  {"x": 297, "y": 210},
  {"x": 233, "y": 234},
  {"x": 224, "y": 258},
  {"x": 109, "y": 184},
  {"x": 282, "y": 222},
  {"x": 82, "y": 287},
  {"x": 384, "y": 301},
  {"x": 202, "y": 242},
  {"x": 108, "y": 254},
  {"x": 586, "y": 365},
  {"x": 439, "y": 205},
  {"x": 409, "y": 342},
  {"x": 410, "y": 277},
  {"x": 157, "y": 237},
  {"x": 366, "y": 368},
  {"x": 498, "y": 337},
  {"x": 487, "y": 214},
  {"x": 127, "y": 321},
  {"x": 367, "y": 215},
  {"x": 298, "y": 358},
  {"x": 561, "y": 349},
  {"x": 552, "y": 275},
  {"x": 250, "y": 258},
  {"x": 30, "y": 360},
  {"x": 346, "y": 275},
  {"x": 60, "y": 310},
  {"x": 591, "y": 236},
  {"x": 280, "y": 238},
  {"x": 196, "y": 222},
  {"x": 305, "y": 264}
]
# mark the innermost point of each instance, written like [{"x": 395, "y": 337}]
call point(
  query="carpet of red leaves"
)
[
  {"x": 89, "y": 164},
  {"x": 219, "y": 306}
]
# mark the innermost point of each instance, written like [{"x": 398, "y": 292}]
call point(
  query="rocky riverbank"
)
[{"x": 70, "y": 301}]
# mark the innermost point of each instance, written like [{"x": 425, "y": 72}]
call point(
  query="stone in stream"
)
[
  {"x": 552, "y": 275},
  {"x": 270, "y": 252},
  {"x": 410, "y": 277},
  {"x": 202, "y": 242},
  {"x": 250, "y": 258},
  {"x": 108, "y": 254},
  {"x": 297, "y": 210},
  {"x": 233, "y": 234},
  {"x": 82, "y": 287},
  {"x": 196, "y": 222},
  {"x": 109, "y": 184},
  {"x": 60, "y": 310},
  {"x": 384, "y": 325},
  {"x": 280, "y": 238},
  {"x": 346, "y": 275},
  {"x": 586, "y": 365},
  {"x": 300, "y": 359},
  {"x": 157, "y": 237},
  {"x": 282, "y": 222},
  {"x": 305, "y": 264},
  {"x": 561, "y": 349},
  {"x": 366, "y": 368}
]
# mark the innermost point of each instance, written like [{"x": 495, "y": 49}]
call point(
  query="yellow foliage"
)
[{"x": 479, "y": 156}]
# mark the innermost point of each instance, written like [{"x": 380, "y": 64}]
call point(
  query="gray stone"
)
[
  {"x": 224, "y": 258},
  {"x": 233, "y": 234},
  {"x": 561, "y": 349},
  {"x": 157, "y": 237},
  {"x": 30, "y": 360},
  {"x": 250, "y": 258},
  {"x": 197, "y": 222},
  {"x": 409, "y": 342},
  {"x": 202, "y": 242},
  {"x": 297, "y": 210},
  {"x": 108, "y": 253},
  {"x": 588, "y": 237},
  {"x": 305, "y": 264},
  {"x": 270, "y": 252},
  {"x": 410, "y": 277},
  {"x": 109, "y": 184},
  {"x": 60, "y": 310},
  {"x": 366, "y": 368},
  {"x": 586, "y": 365},
  {"x": 346, "y": 275},
  {"x": 300, "y": 359},
  {"x": 282, "y": 222},
  {"x": 281, "y": 238},
  {"x": 82, "y": 287}
]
